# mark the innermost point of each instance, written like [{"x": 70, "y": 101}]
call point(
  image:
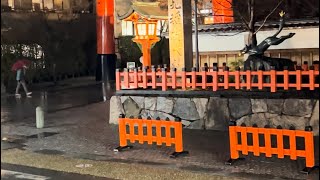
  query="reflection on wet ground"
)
[
  {"x": 42, "y": 135},
  {"x": 17, "y": 109}
]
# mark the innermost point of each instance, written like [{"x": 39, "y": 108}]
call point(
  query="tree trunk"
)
[{"x": 252, "y": 36}]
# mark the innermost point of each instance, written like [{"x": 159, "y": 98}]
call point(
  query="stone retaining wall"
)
[{"x": 214, "y": 113}]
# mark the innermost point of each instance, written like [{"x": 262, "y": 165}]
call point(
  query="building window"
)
[{"x": 127, "y": 28}]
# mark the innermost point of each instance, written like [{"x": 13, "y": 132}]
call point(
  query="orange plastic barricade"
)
[
  {"x": 146, "y": 134},
  {"x": 241, "y": 132}
]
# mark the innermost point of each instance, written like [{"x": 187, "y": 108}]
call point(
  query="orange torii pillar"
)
[
  {"x": 106, "y": 62},
  {"x": 222, "y": 11}
]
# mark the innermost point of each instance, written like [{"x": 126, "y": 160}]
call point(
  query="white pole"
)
[{"x": 39, "y": 117}]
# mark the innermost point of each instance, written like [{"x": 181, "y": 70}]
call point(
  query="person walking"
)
[{"x": 20, "y": 77}]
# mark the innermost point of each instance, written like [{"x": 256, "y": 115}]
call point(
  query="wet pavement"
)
[
  {"x": 77, "y": 127},
  {"x": 12, "y": 172},
  {"x": 18, "y": 109}
]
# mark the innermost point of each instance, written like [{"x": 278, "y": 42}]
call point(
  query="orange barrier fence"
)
[
  {"x": 217, "y": 80},
  {"x": 241, "y": 133},
  {"x": 146, "y": 134}
]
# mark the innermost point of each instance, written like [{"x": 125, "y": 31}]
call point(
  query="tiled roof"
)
[
  {"x": 268, "y": 25},
  {"x": 147, "y": 10}
]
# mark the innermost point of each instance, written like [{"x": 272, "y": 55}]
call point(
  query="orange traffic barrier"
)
[
  {"x": 219, "y": 79},
  {"x": 242, "y": 132},
  {"x": 143, "y": 135}
]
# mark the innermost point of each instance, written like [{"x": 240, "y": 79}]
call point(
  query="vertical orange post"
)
[
  {"x": 164, "y": 79},
  {"x": 286, "y": 79},
  {"x": 298, "y": 80},
  {"x": 293, "y": 145},
  {"x": 273, "y": 79},
  {"x": 234, "y": 153},
  {"x": 267, "y": 138},
  {"x": 244, "y": 142},
  {"x": 158, "y": 131},
  {"x": 149, "y": 131},
  {"x": 146, "y": 49},
  {"x": 237, "y": 78},
  {"x": 168, "y": 134},
  {"x": 131, "y": 125},
  {"x": 248, "y": 79},
  {"x": 140, "y": 130},
  {"x": 226, "y": 77},
  {"x": 204, "y": 78},
  {"x": 126, "y": 78},
  {"x": 153, "y": 77},
  {"x": 280, "y": 143},
  {"x": 139, "y": 75},
  {"x": 174, "y": 78},
  {"x": 178, "y": 137},
  {"x": 256, "y": 149},
  {"x": 183, "y": 79},
  {"x": 309, "y": 147},
  {"x": 135, "y": 78},
  {"x": 311, "y": 78},
  {"x": 260, "y": 79},
  {"x": 215, "y": 79},
  {"x": 193, "y": 78},
  {"x": 144, "y": 78},
  {"x": 122, "y": 131}
]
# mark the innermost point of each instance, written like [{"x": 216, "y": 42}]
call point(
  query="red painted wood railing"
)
[{"x": 217, "y": 79}]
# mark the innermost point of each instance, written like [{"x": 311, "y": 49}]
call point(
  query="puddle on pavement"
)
[
  {"x": 5, "y": 145},
  {"x": 96, "y": 157},
  {"x": 42, "y": 135},
  {"x": 49, "y": 152}
]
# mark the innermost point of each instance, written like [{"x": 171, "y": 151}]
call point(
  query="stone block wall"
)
[{"x": 214, "y": 113}]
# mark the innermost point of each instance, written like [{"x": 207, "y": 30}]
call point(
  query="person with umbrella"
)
[{"x": 20, "y": 67}]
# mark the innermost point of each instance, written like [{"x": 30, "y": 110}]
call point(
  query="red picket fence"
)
[{"x": 216, "y": 79}]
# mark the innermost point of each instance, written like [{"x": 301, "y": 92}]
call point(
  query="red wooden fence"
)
[{"x": 217, "y": 79}]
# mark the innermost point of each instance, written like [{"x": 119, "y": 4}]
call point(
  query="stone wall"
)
[{"x": 214, "y": 113}]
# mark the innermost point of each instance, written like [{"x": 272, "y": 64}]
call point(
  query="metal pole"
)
[
  {"x": 196, "y": 33},
  {"x": 104, "y": 93}
]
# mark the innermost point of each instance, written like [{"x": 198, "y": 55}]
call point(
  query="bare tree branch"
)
[{"x": 265, "y": 20}]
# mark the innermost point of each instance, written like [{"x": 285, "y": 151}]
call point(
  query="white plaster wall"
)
[{"x": 304, "y": 38}]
